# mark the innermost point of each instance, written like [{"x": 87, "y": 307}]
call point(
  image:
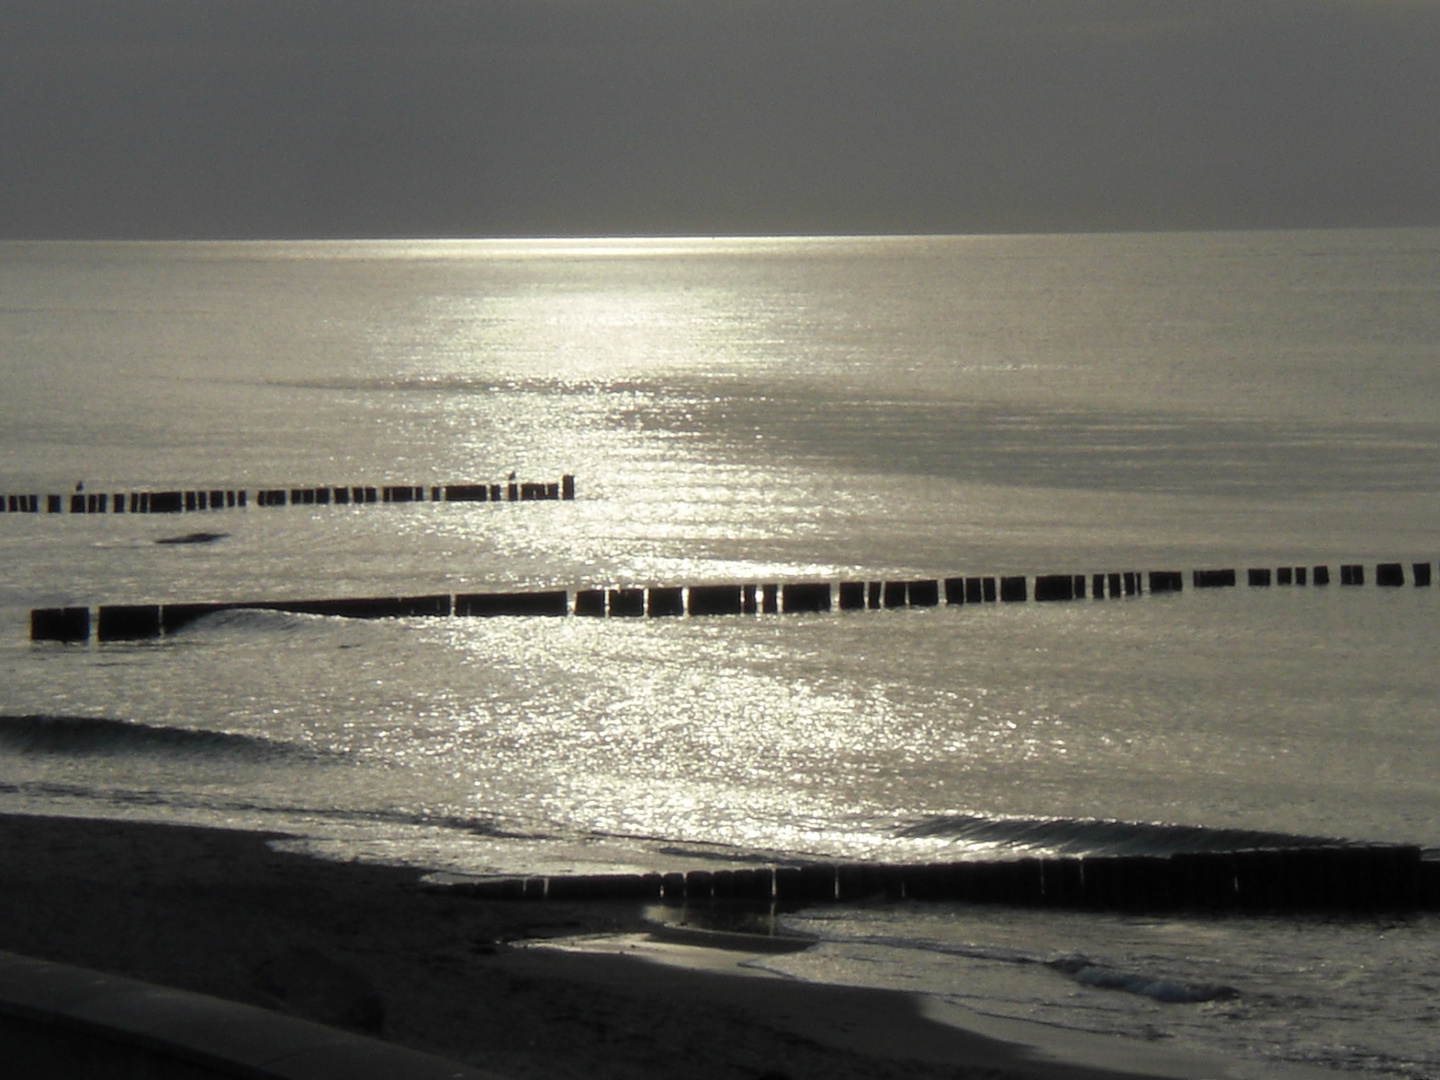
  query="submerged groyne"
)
[{"x": 129, "y": 622}]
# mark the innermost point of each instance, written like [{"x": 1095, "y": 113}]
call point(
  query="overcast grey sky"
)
[{"x": 240, "y": 118}]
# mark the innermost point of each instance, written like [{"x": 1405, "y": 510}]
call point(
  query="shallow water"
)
[
  {"x": 758, "y": 410},
  {"x": 1309, "y": 991}
]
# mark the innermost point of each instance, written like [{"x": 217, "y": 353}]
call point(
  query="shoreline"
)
[{"x": 525, "y": 990}]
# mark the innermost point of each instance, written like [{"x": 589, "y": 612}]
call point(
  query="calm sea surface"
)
[{"x": 767, "y": 410}]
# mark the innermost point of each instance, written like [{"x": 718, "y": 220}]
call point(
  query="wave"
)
[
  {"x": 95, "y": 735},
  {"x": 193, "y": 538},
  {"x": 451, "y": 384},
  {"x": 475, "y": 826},
  {"x": 282, "y": 815},
  {"x": 1159, "y": 988},
  {"x": 1087, "y": 972},
  {"x": 1082, "y": 836},
  {"x": 258, "y": 621},
  {"x": 294, "y": 617}
]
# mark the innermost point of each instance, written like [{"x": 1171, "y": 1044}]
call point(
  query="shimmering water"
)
[{"x": 759, "y": 410}]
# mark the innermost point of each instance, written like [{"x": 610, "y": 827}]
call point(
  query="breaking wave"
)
[
  {"x": 94, "y": 735},
  {"x": 1080, "y": 836}
]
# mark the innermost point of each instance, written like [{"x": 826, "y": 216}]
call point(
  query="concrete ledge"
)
[{"x": 64, "y": 1021}]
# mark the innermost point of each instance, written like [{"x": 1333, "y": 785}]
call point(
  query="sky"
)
[{"x": 385, "y": 118}]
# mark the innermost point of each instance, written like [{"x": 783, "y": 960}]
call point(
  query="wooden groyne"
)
[
  {"x": 211, "y": 499},
  {"x": 1353, "y": 878},
  {"x": 130, "y": 622}
]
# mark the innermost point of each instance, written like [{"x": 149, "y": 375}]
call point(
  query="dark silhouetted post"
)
[
  {"x": 551, "y": 602},
  {"x": 69, "y": 624},
  {"x": 923, "y": 593},
  {"x": 1390, "y": 574},
  {"x": 1050, "y": 587},
  {"x": 1212, "y": 579},
  {"x": 127, "y": 622},
  {"x": 806, "y": 596},
  {"x": 626, "y": 603},
  {"x": 590, "y": 602},
  {"x": 1013, "y": 590},
  {"x": 665, "y": 601},
  {"x": 716, "y": 600},
  {"x": 1166, "y": 581}
]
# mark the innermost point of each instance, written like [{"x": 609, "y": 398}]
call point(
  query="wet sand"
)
[{"x": 373, "y": 948}]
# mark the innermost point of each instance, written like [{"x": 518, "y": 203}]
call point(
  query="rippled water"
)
[
  {"x": 1348, "y": 996},
  {"x": 757, "y": 410}
]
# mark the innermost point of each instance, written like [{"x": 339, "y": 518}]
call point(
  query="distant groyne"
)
[
  {"x": 210, "y": 499},
  {"x": 129, "y": 622}
]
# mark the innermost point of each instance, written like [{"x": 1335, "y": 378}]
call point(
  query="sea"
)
[{"x": 769, "y": 410}]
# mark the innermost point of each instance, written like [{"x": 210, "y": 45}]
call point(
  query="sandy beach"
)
[{"x": 374, "y": 949}]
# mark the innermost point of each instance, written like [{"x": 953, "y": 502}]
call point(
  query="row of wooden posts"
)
[
  {"x": 129, "y": 622},
  {"x": 1355, "y": 878},
  {"x": 176, "y": 502}
]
